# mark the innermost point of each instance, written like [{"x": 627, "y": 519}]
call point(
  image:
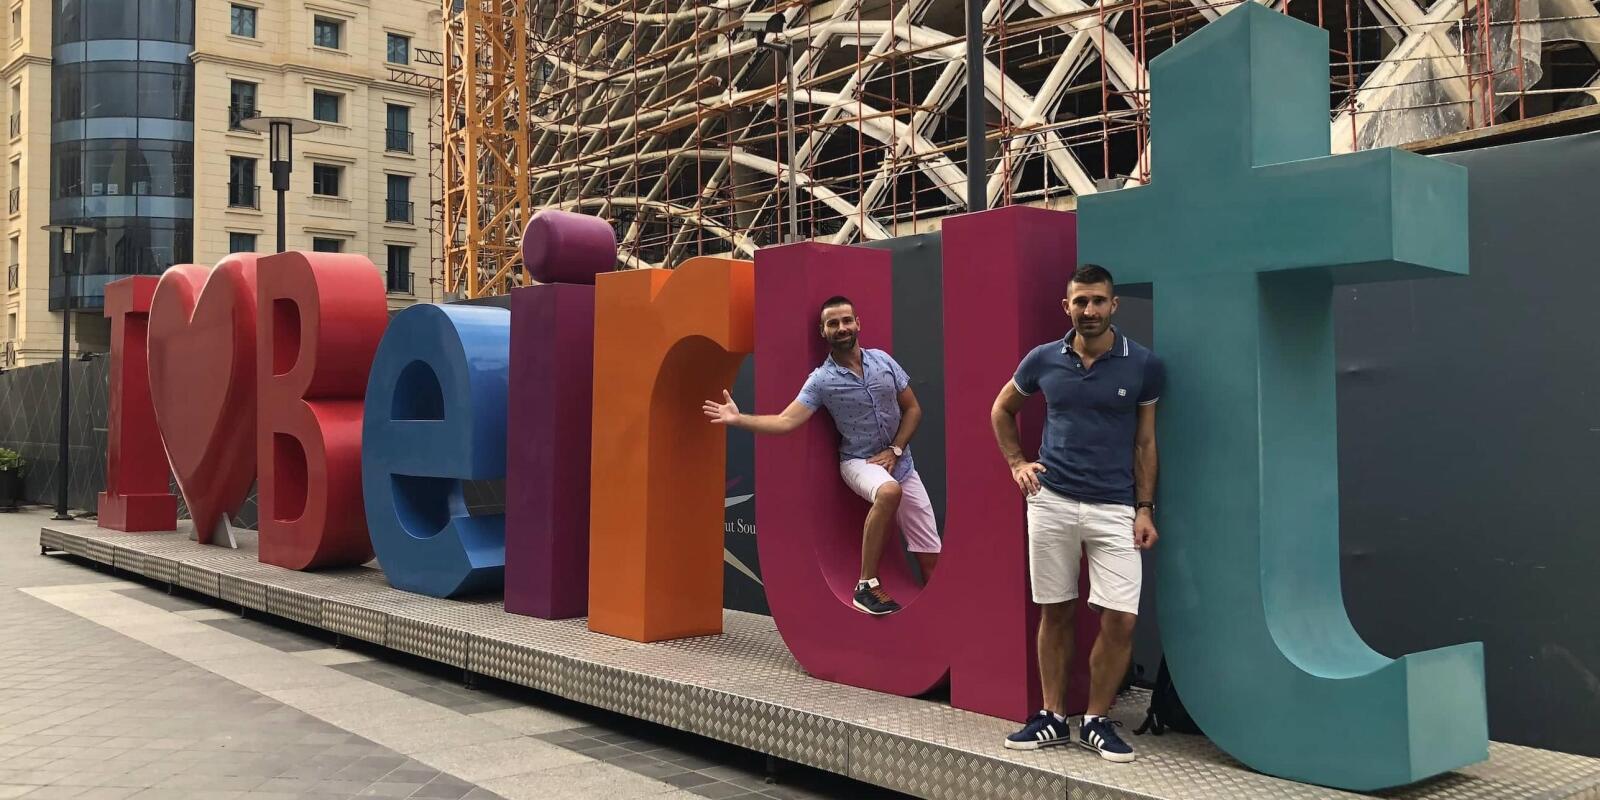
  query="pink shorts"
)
[{"x": 917, "y": 525}]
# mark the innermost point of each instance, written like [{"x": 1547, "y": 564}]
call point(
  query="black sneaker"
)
[
  {"x": 1100, "y": 735},
  {"x": 872, "y": 599},
  {"x": 1044, "y": 730}
]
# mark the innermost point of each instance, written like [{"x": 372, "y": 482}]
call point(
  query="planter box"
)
[{"x": 10, "y": 489}]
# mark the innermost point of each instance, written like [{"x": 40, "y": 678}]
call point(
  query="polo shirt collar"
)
[
  {"x": 842, "y": 368},
  {"x": 1119, "y": 344}
]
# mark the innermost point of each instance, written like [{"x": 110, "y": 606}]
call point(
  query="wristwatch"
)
[
  {"x": 897, "y": 451},
  {"x": 1144, "y": 504}
]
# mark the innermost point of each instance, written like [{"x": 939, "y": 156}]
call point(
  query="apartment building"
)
[
  {"x": 361, "y": 183},
  {"x": 123, "y": 115}
]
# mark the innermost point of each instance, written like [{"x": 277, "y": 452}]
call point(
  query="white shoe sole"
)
[
  {"x": 1010, "y": 745},
  {"x": 863, "y": 609},
  {"x": 1118, "y": 758}
]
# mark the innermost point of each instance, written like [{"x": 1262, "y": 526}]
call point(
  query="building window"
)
[
  {"x": 14, "y": 277},
  {"x": 399, "y": 205},
  {"x": 241, "y": 102},
  {"x": 397, "y": 129},
  {"x": 399, "y": 49},
  {"x": 399, "y": 268},
  {"x": 14, "y": 197},
  {"x": 242, "y": 189},
  {"x": 16, "y": 24},
  {"x": 327, "y": 32},
  {"x": 322, "y": 245},
  {"x": 325, "y": 179},
  {"x": 325, "y": 106},
  {"x": 16, "y": 109},
  {"x": 242, "y": 21},
  {"x": 241, "y": 242}
]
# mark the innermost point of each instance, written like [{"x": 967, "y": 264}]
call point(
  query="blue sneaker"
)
[
  {"x": 1043, "y": 730},
  {"x": 1100, "y": 735}
]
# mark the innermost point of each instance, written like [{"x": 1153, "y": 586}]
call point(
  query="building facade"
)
[{"x": 124, "y": 116}]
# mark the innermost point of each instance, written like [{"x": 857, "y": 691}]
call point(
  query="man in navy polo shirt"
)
[
  {"x": 870, "y": 399},
  {"x": 1091, "y": 493}
]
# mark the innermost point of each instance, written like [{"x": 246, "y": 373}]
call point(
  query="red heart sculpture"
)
[{"x": 203, "y": 384}]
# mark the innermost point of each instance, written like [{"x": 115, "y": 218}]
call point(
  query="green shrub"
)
[{"x": 12, "y": 461}]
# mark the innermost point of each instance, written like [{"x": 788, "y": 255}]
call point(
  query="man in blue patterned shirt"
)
[{"x": 870, "y": 399}]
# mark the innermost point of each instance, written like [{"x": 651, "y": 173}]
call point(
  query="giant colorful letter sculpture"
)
[
  {"x": 1002, "y": 270},
  {"x": 664, "y": 342},
  {"x": 203, "y": 385},
  {"x": 1252, "y": 616},
  {"x": 320, "y": 316},
  {"x": 547, "y": 430},
  {"x": 436, "y": 415},
  {"x": 136, "y": 496}
]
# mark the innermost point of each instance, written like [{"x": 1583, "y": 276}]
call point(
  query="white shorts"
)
[
  {"x": 917, "y": 525},
  {"x": 1061, "y": 529}
]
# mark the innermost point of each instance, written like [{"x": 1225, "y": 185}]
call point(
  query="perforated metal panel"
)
[
  {"x": 161, "y": 568},
  {"x": 294, "y": 604},
  {"x": 744, "y": 687},
  {"x": 97, "y": 550},
  {"x": 243, "y": 591},
  {"x": 366, "y": 624},
  {"x": 199, "y": 579}
]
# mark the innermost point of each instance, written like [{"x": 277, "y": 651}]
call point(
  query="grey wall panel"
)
[{"x": 1469, "y": 442}]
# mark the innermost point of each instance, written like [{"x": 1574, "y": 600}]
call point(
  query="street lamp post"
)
[
  {"x": 280, "y": 132},
  {"x": 763, "y": 25},
  {"x": 69, "y": 235}
]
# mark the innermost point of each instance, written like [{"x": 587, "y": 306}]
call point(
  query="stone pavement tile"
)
[
  {"x": 108, "y": 793},
  {"x": 56, "y": 792},
  {"x": 330, "y": 656},
  {"x": 528, "y": 719},
  {"x": 390, "y": 789},
  {"x": 201, "y": 614},
  {"x": 9, "y": 790},
  {"x": 720, "y": 790},
  {"x": 479, "y": 762},
  {"x": 587, "y": 781},
  {"x": 444, "y": 787},
  {"x": 440, "y": 733}
]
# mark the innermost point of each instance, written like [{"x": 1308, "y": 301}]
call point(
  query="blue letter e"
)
[{"x": 436, "y": 416}]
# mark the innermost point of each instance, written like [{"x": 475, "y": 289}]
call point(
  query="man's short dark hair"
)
[
  {"x": 836, "y": 300},
  {"x": 1093, "y": 273}
]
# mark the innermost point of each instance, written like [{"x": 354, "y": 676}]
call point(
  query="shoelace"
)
[{"x": 881, "y": 596}]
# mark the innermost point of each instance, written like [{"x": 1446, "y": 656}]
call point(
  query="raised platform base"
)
[{"x": 744, "y": 688}]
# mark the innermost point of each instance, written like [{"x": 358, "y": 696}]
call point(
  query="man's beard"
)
[{"x": 842, "y": 345}]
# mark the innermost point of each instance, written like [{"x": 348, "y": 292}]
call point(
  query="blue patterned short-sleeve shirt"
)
[{"x": 865, "y": 408}]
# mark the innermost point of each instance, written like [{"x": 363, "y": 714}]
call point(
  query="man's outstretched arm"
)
[{"x": 727, "y": 413}]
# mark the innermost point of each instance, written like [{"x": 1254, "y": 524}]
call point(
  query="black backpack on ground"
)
[{"x": 1166, "y": 712}]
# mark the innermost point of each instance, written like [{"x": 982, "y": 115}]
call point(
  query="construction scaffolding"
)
[{"x": 670, "y": 120}]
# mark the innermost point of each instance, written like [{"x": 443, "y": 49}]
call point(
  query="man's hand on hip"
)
[
  {"x": 1026, "y": 474},
  {"x": 885, "y": 459}
]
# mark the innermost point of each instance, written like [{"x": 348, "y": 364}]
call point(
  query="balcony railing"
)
[
  {"x": 16, "y": 124},
  {"x": 398, "y": 211},
  {"x": 14, "y": 200},
  {"x": 244, "y": 195},
  {"x": 238, "y": 114},
  {"x": 396, "y": 141},
  {"x": 400, "y": 281},
  {"x": 13, "y": 277}
]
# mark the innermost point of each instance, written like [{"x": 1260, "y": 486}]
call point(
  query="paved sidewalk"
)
[{"x": 113, "y": 688}]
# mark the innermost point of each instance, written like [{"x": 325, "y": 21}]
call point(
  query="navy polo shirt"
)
[{"x": 1093, "y": 415}]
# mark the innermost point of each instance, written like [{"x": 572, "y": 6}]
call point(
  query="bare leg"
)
[
  {"x": 885, "y": 504},
  {"x": 1055, "y": 652},
  {"x": 1108, "y": 661},
  {"x": 927, "y": 561}
]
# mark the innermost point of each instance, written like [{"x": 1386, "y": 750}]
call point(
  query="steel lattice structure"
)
[{"x": 668, "y": 119}]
